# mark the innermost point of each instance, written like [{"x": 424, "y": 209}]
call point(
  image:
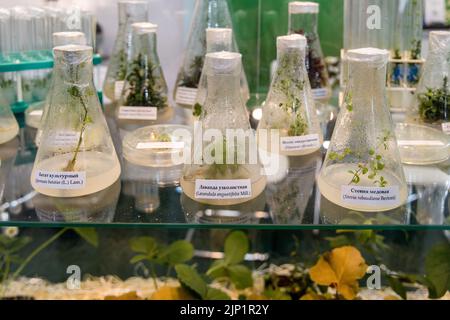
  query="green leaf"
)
[
  {"x": 240, "y": 276},
  {"x": 138, "y": 258},
  {"x": 189, "y": 277},
  {"x": 398, "y": 287},
  {"x": 88, "y": 234},
  {"x": 178, "y": 252},
  {"x": 236, "y": 246},
  {"x": 146, "y": 245},
  {"x": 437, "y": 269},
  {"x": 216, "y": 294},
  {"x": 217, "y": 269},
  {"x": 338, "y": 241}
]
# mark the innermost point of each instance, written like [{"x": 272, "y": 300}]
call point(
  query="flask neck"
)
[
  {"x": 76, "y": 70},
  {"x": 291, "y": 60},
  {"x": 144, "y": 47},
  {"x": 224, "y": 88},
  {"x": 215, "y": 10},
  {"x": 218, "y": 46},
  {"x": 303, "y": 23}
]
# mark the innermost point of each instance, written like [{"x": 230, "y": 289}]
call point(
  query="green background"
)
[{"x": 257, "y": 23}]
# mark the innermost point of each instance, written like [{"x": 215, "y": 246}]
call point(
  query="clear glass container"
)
[
  {"x": 207, "y": 14},
  {"x": 9, "y": 128},
  {"x": 220, "y": 171},
  {"x": 217, "y": 39},
  {"x": 362, "y": 169},
  {"x": 144, "y": 97},
  {"x": 129, "y": 12},
  {"x": 76, "y": 156},
  {"x": 432, "y": 97},
  {"x": 37, "y": 111},
  {"x": 303, "y": 20},
  {"x": 289, "y": 106}
]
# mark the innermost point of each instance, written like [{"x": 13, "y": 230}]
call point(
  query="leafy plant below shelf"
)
[
  {"x": 230, "y": 269},
  {"x": 143, "y": 89},
  {"x": 154, "y": 253},
  {"x": 434, "y": 103}
]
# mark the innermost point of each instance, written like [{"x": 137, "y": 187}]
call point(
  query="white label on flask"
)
[
  {"x": 160, "y": 145},
  {"x": 61, "y": 180},
  {"x": 300, "y": 143},
  {"x": 138, "y": 113},
  {"x": 320, "y": 93},
  {"x": 36, "y": 113},
  {"x": 186, "y": 96},
  {"x": 64, "y": 139},
  {"x": 426, "y": 143},
  {"x": 223, "y": 189},
  {"x": 118, "y": 88},
  {"x": 370, "y": 196},
  {"x": 446, "y": 127}
]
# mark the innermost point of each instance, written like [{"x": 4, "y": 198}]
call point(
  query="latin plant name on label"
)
[
  {"x": 186, "y": 96},
  {"x": 61, "y": 180},
  {"x": 118, "y": 88},
  {"x": 160, "y": 145},
  {"x": 320, "y": 93},
  {"x": 64, "y": 139},
  {"x": 223, "y": 189},
  {"x": 446, "y": 127},
  {"x": 37, "y": 113},
  {"x": 300, "y": 143},
  {"x": 419, "y": 143},
  {"x": 138, "y": 113},
  {"x": 370, "y": 196}
]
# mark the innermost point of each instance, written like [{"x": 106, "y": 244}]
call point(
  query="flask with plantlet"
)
[
  {"x": 144, "y": 97},
  {"x": 362, "y": 169},
  {"x": 76, "y": 156},
  {"x": 217, "y": 39},
  {"x": 289, "y": 106},
  {"x": 129, "y": 12},
  {"x": 9, "y": 128},
  {"x": 223, "y": 171}
]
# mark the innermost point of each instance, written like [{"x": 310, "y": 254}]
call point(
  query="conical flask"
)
[
  {"x": 76, "y": 156},
  {"x": 9, "y": 128},
  {"x": 362, "y": 170},
  {"x": 207, "y": 14},
  {"x": 144, "y": 98},
  {"x": 36, "y": 112},
  {"x": 303, "y": 19},
  {"x": 432, "y": 99},
  {"x": 289, "y": 107},
  {"x": 129, "y": 12},
  {"x": 217, "y": 39},
  {"x": 223, "y": 171}
]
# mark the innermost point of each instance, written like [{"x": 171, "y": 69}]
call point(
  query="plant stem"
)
[
  {"x": 71, "y": 164},
  {"x": 152, "y": 269},
  {"x": 37, "y": 251}
]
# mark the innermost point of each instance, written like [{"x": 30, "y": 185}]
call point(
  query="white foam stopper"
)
[
  {"x": 144, "y": 27},
  {"x": 69, "y": 37},
  {"x": 223, "y": 62},
  {"x": 297, "y": 7},
  {"x": 368, "y": 54},
  {"x": 291, "y": 41}
]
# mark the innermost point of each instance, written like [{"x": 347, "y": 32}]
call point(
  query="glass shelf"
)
[{"x": 291, "y": 200}]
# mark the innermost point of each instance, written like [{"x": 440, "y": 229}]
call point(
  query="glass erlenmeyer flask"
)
[
  {"x": 9, "y": 128},
  {"x": 36, "y": 111},
  {"x": 362, "y": 170},
  {"x": 289, "y": 106},
  {"x": 303, "y": 19},
  {"x": 207, "y": 14},
  {"x": 217, "y": 39},
  {"x": 76, "y": 156},
  {"x": 432, "y": 105},
  {"x": 129, "y": 13},
  {"x": 144, "y": 98},
  {"x": 223, "y": 171}
]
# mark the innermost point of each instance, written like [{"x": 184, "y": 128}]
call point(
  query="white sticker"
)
[
  {"x": 446, "y": 127},
  {"x": 223, "y": 189},
  {"x": 418, "y": 143},
  {"x": 370, "y": 196},
  {"x": 61, "y": 180},
  {"x": 138, "y": 113},
  {"x": 64, "y": 139},
  {"x": 300, "y": 143},
  {"x": 118, "y": 88},
  {"x": 160, "y": 145},
  {"x": 37, "y": 113},
  {"x": 186, "y": 96},
  {"x": 320, "y": 93}
]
